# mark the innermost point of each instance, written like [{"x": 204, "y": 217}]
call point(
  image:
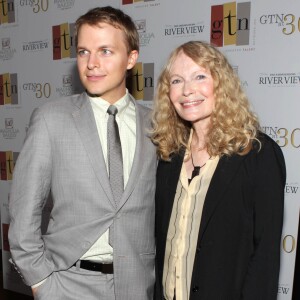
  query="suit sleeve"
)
[
  {"x": 29, "y": 191},
  {"x": 268, "y": 203}
]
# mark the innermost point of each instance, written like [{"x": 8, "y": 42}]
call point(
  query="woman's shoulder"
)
[
  {"x": 267, "y": 154},
  {"x": 265, "y": 143}
]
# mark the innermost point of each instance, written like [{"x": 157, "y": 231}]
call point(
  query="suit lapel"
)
[
  {"x": 86, "y": 126},
  {"x": 140, "y": 151},
  {"x": 224, "y": 173}
]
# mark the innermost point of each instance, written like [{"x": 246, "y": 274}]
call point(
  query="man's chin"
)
[{"x": 92, "y": 94}]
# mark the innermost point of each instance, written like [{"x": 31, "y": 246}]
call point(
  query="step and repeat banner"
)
[{"x": 260, "y": 38}]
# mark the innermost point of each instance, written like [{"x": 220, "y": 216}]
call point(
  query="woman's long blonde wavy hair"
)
[{"x": 233, "y": 126}]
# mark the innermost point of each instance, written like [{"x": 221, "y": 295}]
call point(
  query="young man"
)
[{"x": 99, "y": 244}]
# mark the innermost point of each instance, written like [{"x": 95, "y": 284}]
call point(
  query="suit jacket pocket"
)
[{"x": 148, "y": 259}]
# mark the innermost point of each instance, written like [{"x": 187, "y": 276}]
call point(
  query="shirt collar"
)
[{"x": 100, "y": 105}]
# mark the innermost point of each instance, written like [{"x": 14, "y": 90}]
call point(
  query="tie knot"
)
[{"x": 112, "y": 110}]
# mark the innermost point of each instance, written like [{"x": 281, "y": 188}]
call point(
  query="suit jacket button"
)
[{"x": 195, "y": 289}]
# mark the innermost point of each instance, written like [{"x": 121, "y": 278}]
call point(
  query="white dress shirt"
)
[{"x": 101, "y": 251}]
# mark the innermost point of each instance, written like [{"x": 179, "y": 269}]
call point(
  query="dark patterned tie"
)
[{"x": 114, "y": 153}]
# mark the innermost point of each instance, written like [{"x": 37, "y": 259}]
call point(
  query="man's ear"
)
[{"x": 132, "y": 59}]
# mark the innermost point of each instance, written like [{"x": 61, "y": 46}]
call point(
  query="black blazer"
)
[{"x": 238, "y": 248}]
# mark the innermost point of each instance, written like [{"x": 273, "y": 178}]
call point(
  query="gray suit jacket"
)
[{"x": 62, "y": 155}]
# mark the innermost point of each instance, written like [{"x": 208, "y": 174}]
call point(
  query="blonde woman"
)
[{"x": 220, "y": 184}]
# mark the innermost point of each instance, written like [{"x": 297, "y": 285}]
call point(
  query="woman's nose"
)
[{"x": 188, "y": 88}]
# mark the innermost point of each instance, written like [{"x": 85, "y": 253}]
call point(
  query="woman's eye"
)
[
  {"x": 175, "y": 81},
  {"x": 200, "y": 76}
]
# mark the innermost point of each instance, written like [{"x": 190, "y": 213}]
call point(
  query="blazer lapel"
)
[
  {"x": 225, "y": 171},
  {"x": 86, "y": 126},
  {"x": 170, "y": 177}
]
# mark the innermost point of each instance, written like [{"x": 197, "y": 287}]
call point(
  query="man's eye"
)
[
  {"x": 106, "y": 51},
  {"x": 82, "y": 52}
]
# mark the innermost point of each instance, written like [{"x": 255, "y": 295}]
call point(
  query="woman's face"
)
[{"x": 191, "y": 90}]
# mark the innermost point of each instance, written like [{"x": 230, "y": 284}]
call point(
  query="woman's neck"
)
[{"x": 198, "y": 141}]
